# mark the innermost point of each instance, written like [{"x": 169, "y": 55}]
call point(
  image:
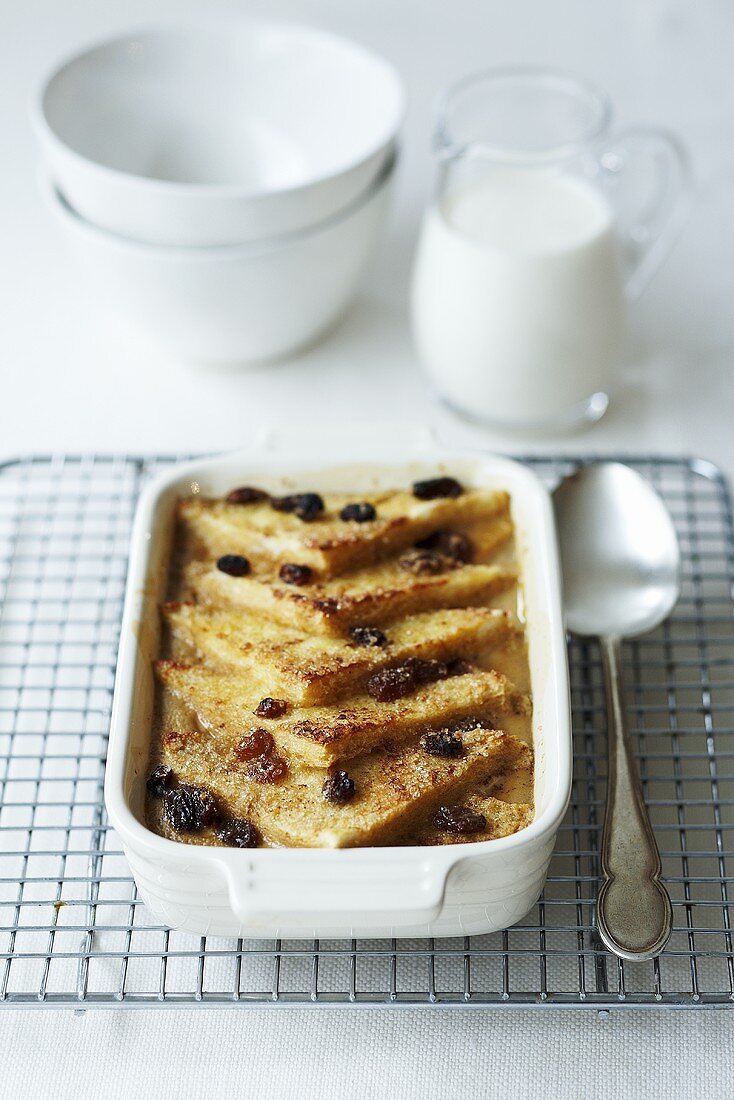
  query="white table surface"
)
[{"x": 76, "y": 379}]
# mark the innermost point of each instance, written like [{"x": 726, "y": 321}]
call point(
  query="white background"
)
[{"x": 75, "y": 379}]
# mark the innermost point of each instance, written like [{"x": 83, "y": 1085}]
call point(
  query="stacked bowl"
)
[{"x": 223, "y": 183}]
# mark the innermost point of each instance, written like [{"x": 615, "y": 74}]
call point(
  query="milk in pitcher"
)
[{"x": 517, "y": 296}]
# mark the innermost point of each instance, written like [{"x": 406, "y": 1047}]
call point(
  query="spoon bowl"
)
[{"x": 619, "y": 550}]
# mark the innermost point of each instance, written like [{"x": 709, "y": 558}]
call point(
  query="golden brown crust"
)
[
  {"x": 329, "y": 544},
  {"x": 374, "y": 596},
  {"x": 321, "y": 736},
  {"x": 502, "y": 819},
  {"x": 394, "y": 790},
  {"x": 316, "y": 669},
  {"x": 255, "y": 665}
]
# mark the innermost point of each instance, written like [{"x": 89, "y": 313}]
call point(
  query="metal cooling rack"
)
[{"x": 72, "y": 929}]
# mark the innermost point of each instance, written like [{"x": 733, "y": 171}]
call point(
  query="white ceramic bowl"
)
[
  {"x": 446, "y": 890},
  {"x": 216, "y": 134},
  {"x": 236, "y": 304}
]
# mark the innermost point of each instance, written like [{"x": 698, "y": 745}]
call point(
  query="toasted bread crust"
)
[
  {"x": 329, "y": 544},
  {"x": 376, "y": 596},
  {"x": 394, "y": 790},
  {"x": 322, "y": 736},
  {"x": 315, "y": 669}
]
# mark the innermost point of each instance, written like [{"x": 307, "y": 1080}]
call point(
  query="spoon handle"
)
[{"x": 634, "y": 914}]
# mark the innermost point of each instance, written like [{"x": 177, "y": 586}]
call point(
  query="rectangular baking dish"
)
[{"x": 411, "y": 891}]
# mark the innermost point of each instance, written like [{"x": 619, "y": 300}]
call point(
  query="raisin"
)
[
  {"x": 427, "y": 670},
  {"x": 460, "y": 820},
  {"x": 359, "y": 513},
  {"x": 435, "y": 487},
  {"x": 426, "y": 563},
  {"x": 271, "y": 708},
  {"x": 458, "y": 667},
  {"x": 307, "y": 506},
  {"x": 188, "y": 809},
  {"x": 238, "y": 832},
  {"x": 159, "y": 780},
  {"x": 268, "y": 769},
  {"x": 247, "y": 495},
  {"x": 234, "y": 564},
  {"x": 367, "y": 635},
  {"x": 390, "y": 684},
  {"x": 437, "y": 740},
  {"x": 338, "y": 788},
  {"x": 452, "y": 544},
  {"x": 257, "y": 743},
  {"x": 295, "y": 574},
  {"x": 465, "y": 725},
  {"x": 445, "y": 743},
  {"x": 327, "y": 606},
  {"x": 284, "y": 504}
]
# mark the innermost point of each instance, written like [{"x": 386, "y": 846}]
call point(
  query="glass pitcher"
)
[{"x": 543, "y": 224}]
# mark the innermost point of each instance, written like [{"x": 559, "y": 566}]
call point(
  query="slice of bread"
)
[
  {"x": 393, "y": 790},
  {"x": 317, "y": 669},
  {"x": 329, "y": 544},
  {"x": 320, "y": 736},
  {"x": 374, "y": 595}
]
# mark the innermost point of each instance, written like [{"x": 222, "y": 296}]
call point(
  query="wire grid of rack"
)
[{"x": 73, "y": 931}]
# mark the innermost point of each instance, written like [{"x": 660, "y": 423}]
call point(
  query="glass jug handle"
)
[{"x": 649, "y": 223}]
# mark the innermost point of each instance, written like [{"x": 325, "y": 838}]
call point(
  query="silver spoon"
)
[{"x": 621, "y": 577}]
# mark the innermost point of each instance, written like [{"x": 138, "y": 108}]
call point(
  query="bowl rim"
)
[
  {"x": 47, "y": 135},
  {"x": 61, "y": 208}
]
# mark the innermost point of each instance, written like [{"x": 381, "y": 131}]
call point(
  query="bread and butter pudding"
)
[{"x": 343, "y": 671}]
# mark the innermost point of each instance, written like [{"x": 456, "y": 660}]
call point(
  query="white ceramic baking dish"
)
[{"x": 411, "y": 891}]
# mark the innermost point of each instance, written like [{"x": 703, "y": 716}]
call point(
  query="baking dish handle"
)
[{"x": 395, "y": 889}]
